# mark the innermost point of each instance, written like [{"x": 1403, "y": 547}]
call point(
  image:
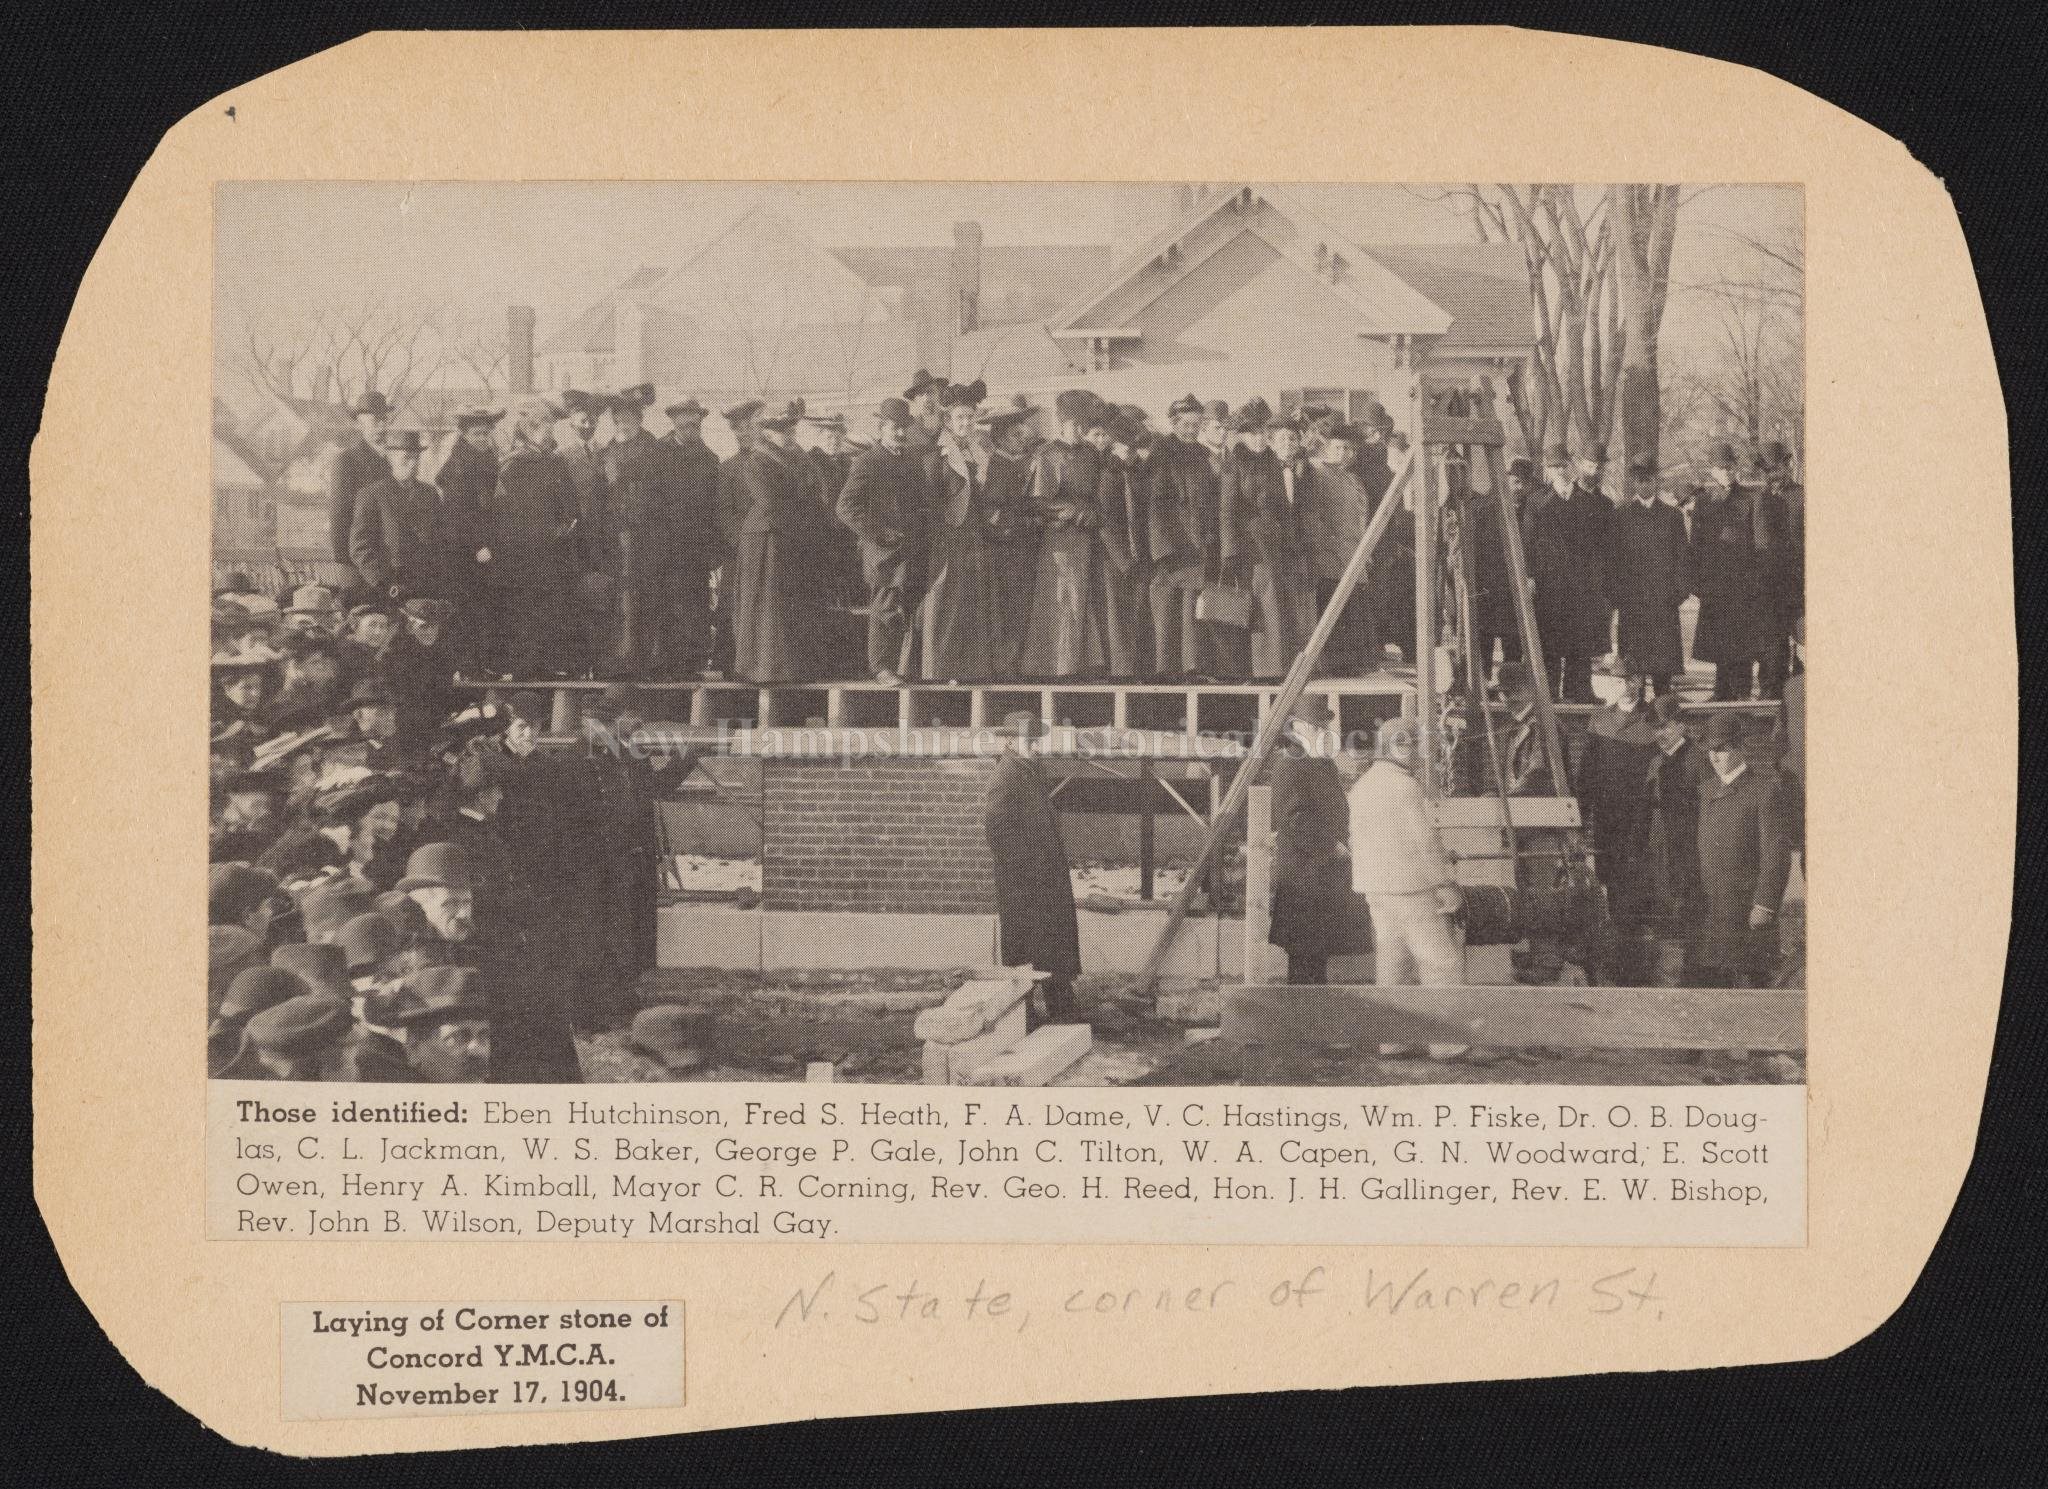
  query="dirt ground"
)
[{"x": 768, "y": 1027}]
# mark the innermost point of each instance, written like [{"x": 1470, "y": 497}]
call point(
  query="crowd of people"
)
[
  {"x": 966, "y": 543},
  {"x": 404, "y": 887}
]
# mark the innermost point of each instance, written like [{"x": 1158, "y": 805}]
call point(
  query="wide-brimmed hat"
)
[
  {"x": 441, "y": 995},
  {"x": 258, "y": 988},
  {"x": 576, "y": 401},
  {"x": 530, "y": 706},
  {"x": 1721, "y": 455},
  {"x": 686, "y": 408},
  {"x": 404, "y": 439},
  {"x": 1008, "y": 418},
  {"x": 1251, "y": 416},
  {"x": 474, "y": 415},
  {"x": 366, "y": 940},
  {"x": 313, "y": 599},
  {"x": 963, "y": 395},
  {"x": 1187, "y": 403},
  {"x": 326, "y": 908},
  {"x": 740, "y": 413},
  {"x": 438, "y": 866},
  {"x": 234, "y": 889},
  {"x": 231, "y": 950},
  {"x": 781, "y": 415},
  {"x": 225, "y": 665},
  {"x": 432, "y": 611},
  {"x": 639, "y": 396},
  {"x": 1312, "y": 708},
  {"x": 1774, "y": 455},
  {"x": 921, "y": 383},
  {"x": 301, "y": 1025},
  {"x": 323, "y": 965}
]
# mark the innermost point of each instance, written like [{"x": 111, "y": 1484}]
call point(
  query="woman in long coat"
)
[
  {"x": 1013, "y": 537},
  {"x": 1264, "y": 522},
  {"x": 1120, "y": 495},
  {"x": 958, "y": 615},
  {"x": 1069, "y": 606},
  {"x": 1316, "y": 914},
  {"x": 776, "y": 619}
]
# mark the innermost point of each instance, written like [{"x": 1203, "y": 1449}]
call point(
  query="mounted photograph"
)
[{"x": 1007, "y": 634}]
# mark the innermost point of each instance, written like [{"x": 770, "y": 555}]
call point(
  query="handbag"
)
[{"x": 1223, "y": 604}]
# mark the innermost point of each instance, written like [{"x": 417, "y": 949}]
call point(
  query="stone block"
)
[
  {"x": 818, "y": 1070},
  {"x": 1043, "y": 1055},
  {"x": 938, "y": 1064},
  {"x": 971, "y": 1011},
  {"x": 965, "y": 1058}
]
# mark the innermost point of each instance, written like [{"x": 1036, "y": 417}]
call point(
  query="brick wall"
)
[{"x": 876, "y": 836}]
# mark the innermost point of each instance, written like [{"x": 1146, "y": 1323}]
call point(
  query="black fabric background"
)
[{"x": 1950, "y": 1391}]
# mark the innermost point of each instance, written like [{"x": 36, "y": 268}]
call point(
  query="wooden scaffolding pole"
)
[{"x": 1275, "y": 722}]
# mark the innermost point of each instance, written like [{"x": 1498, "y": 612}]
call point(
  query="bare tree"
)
[
  {"x": 1599, "y": 274},
  {"x": 344, "y": 351},
  {"x": 1754, "y": 374}
]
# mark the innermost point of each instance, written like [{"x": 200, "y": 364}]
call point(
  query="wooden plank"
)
[
  {"x": 1258, "y": 879},
  {"x": 1516, "y": 1017}
]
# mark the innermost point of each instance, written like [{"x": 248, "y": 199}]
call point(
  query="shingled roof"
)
[{"x": 1484, "y": 287}]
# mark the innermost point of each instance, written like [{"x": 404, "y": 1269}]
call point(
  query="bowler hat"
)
[
  {"x": 438, "y": 866},
  {"x": 739, "y": 413},
  {"x": 686, "y": 408},
  {"x": 258, "y": 988},
  {"x": 301, "y": 1025},
  {"x": 475, "y": 415},
  {"x": 1724, "y": 731},
  {"x": 970, "y": 395},
  {"x": 1595, "y": 452},
  {"x": 234, "y": 889},
  {"x": 1312, "y": 708},
  {"x": 671, "y": 1034},
  {"x": 1721, "y": 455},
  {"x": 826, "y": 421},
  {"x": 404, "y": 439},
  {"x": 892, "y": 411},
  {"x": 1774, "y": 455},
  {"x": 1008, "y": 418},
  {"x": 920, "y": 383},
  {"x": 1555, "y": 453},
  {"x": 1523, "y": 468},
  {"x": 371, "y": 402},
  {"x": 1133, "y": 415},
  {"x": 1642, "y": 464},
  {"x": 441, "y": 995},
  {"x": 575, "y": 400},
  {"x": 1187, "y": 403},
  {"x": 1216, "y": 408},
  {"x": 1667, "y": 707},
  {"x": 617, "y": 698},
  {"x": 1377, "y": 417},
  {"x": 366, "y": 941},
  {"x": 323, "y": 965},
  {"x": 326, "y": 908}
]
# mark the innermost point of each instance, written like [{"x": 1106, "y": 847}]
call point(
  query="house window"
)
[{"x": 1351, "y": 401}]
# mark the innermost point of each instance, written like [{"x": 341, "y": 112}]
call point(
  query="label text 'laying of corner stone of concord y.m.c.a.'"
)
[{"x": 1628, "y": 1165}]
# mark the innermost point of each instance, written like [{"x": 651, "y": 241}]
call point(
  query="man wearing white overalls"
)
[{"x": 1399, "y": 864}]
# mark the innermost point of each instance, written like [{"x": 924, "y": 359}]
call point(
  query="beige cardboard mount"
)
[{"x": 1913, "y": 696}]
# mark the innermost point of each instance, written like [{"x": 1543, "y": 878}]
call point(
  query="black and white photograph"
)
[{"x": 1012, "y": 634}]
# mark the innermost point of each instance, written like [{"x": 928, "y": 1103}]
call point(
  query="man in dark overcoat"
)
[
  {"x": 1181, "y": 520},
  {"x": 696, "y": 547},
  {"x": 1034, "y": 884},
  {"x": 730, "y": 506},
  {"x": 842, "y": 585},
  {"x": 1785, "y": 571},
  {"x": 1495, "y": 616},
  {"x": 1613, "y": 781},
  {"x": 636, "y": 474},
  {"x": 884, "y": 503},
  {"x": 1737, "y": 533},
  {"x": 467, "y": 478},
  {"x": 1745, "y": 858},
  {"x": 1676, "y": 775},
  {"x": 1316, "y": 914},
  {"x": 396, "y": 544},
  {"x": 1650, "y": 576},
  {"x": 1573, "y": 536},
  {"x": 777, "y": 611},
  {"x": 528, "y": 531},
  {"x": 361, "y": 463}
]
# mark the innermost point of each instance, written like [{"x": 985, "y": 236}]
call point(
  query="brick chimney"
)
[
  {"x": 519, "y": 347},
  {"x": 966, "y": 277}
]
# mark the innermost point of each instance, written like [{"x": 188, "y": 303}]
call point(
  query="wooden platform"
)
[{"x": 1515, "y": 1017}]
